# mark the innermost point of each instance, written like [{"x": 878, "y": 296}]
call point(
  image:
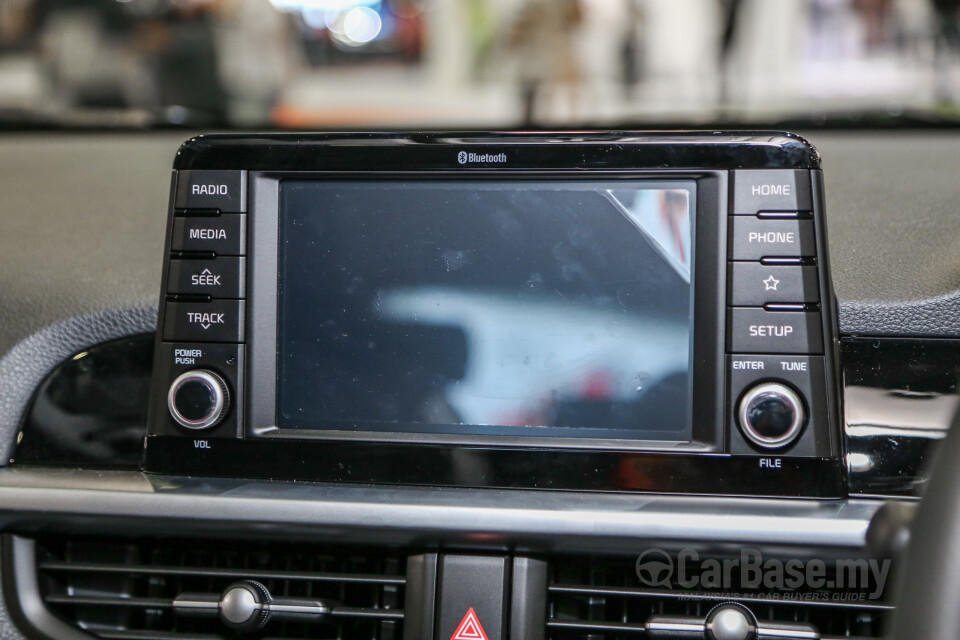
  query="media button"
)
[
  {"x": 753, "y": 284},
  {"x": 217, "y": 321},
  {"x": 759, "y": 331},
  {"x": 225, "y": 191},
  {"x": 223, "y": 235},
  {"x": 753, "y": 238},
  {"x": 220, "y": 278},
  {"x": 771, "y": 190}
]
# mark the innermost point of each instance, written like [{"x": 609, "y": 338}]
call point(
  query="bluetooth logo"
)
[{"x": 462, "y": 157}]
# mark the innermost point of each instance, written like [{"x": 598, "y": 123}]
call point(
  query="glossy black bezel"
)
[{"x": 708, "y": 309}]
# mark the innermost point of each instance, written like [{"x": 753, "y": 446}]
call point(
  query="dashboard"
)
[{"x": 359, "y": 535}]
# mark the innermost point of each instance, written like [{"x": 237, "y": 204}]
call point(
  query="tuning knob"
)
[
  {"x": 198, "y": 399},
  {"x": 771, "y": 415}
]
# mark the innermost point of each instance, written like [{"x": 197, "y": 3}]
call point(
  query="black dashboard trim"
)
[
  {"x": 22, "y": 593},
  {"x": 135, "y": 503},
  {"x": 24, "y": 367},
  {"x": 497, "y": 467}
]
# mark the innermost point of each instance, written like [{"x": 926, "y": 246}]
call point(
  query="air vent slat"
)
[
  {"x": 588, "y": 591},
  {"x": 159, "y": 603},
  {"x": 110, "y": 602},
  {"x": 605, "y": 598},
  {"x": 592, "y": 627},
  {"x": 342, "y": 578},
  {"x": 357, "y": 612},
  {"x": 154, "y": 635},
  {"x": 126, "y": 589}
]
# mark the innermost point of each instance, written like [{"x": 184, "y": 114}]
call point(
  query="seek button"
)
[{"x": 220, "y": 278}]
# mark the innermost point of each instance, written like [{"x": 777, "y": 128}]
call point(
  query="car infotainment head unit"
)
[{"x": 616, "y": 311}]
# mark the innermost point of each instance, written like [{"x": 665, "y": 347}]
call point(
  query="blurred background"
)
[{"x": 476, "y": 63}]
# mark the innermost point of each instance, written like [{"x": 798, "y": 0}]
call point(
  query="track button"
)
[{"x": 217, "y": 321}]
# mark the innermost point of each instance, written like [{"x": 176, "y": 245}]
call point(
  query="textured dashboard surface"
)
[
  {"x": 893, "y": 208},
  {"x": 82, "y": 219}
]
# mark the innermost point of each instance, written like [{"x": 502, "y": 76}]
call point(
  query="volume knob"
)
[
  {"x": 771, "y": 415},
  {"x": 198, "y": 399}
]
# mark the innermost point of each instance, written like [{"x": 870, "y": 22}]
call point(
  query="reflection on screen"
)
[{"x": 519, "y": 308}]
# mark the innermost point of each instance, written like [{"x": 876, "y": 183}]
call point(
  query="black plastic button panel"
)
[
  {"x": 802, "y": 374},
  {"x": 225, "y": 360},
  {"x": 204, "y": 312},
  {"x": 774, "y": 323},
  {"x": 206, "y": 271}
]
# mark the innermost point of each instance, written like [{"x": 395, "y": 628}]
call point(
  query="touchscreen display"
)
[{"x": 510, "y": 307}]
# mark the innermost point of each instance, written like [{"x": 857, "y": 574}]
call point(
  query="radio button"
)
[
  {"x": 760, "y": 331},
  {"x": 217, "y": 321},
  {"x": 771, "y": 190},
  {"x": 753, "y": 238},
  {"x": 753, "y": 284},
  {"x": 225, "y": 191},
  {"x": 224, "y": 235},
  {"x": 220, "y": 278}
]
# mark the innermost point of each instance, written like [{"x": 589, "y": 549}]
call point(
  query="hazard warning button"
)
[
  {"x": 473, "y": 597},
  {"x": 470, "y": 628}
]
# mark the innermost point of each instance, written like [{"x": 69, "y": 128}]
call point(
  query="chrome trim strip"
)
[
  {"x": 655, "y": 626},
  {"x": 772, "y": 630},
  {"x": 113, "y": 501}
]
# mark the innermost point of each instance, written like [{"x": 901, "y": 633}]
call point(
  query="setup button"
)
[{"x": 761, "y": 331}]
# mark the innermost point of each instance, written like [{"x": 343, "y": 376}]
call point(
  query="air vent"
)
[
  {"x": 144, "y": 589},
  {"x": 601, "y": 598}
]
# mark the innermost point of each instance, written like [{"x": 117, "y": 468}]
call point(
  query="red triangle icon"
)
[{"x": 470, "y": 628}]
